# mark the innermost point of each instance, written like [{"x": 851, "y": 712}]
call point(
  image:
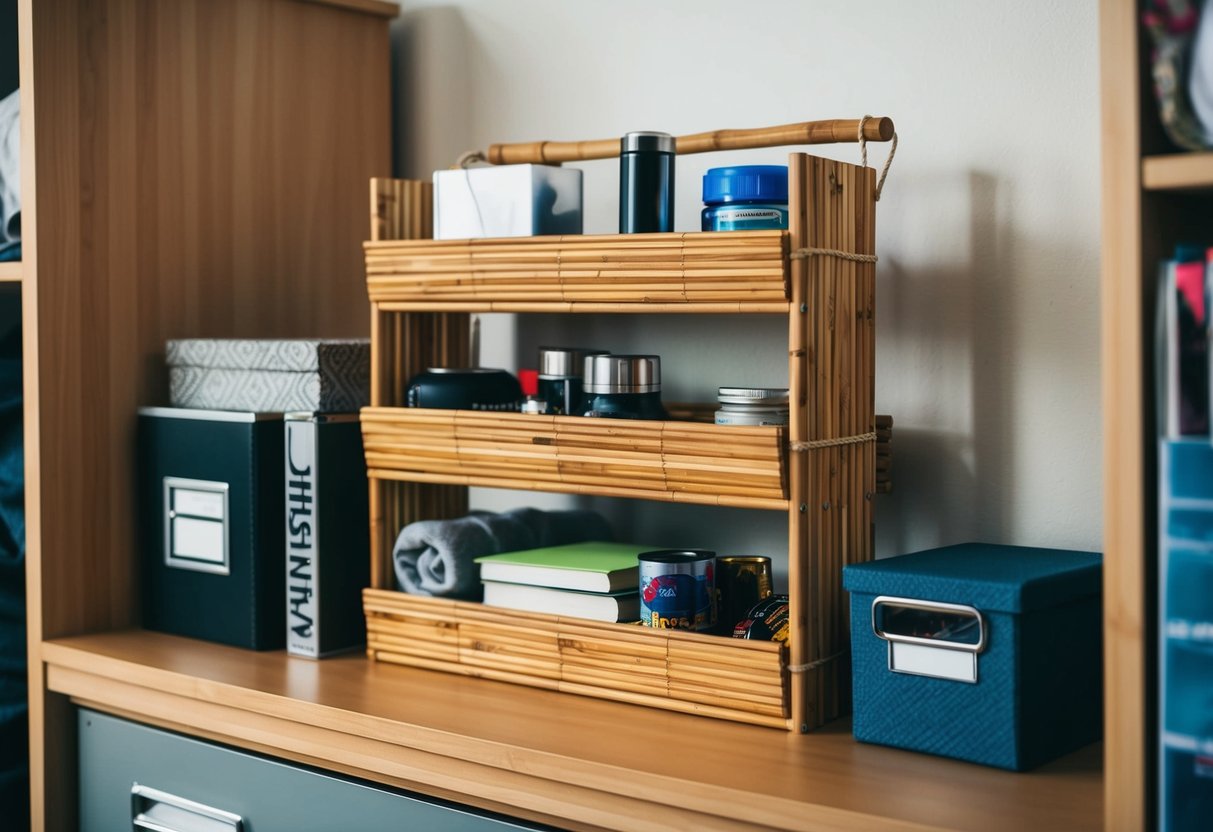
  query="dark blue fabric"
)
[
  {"x": 984, "y": 575},
  {"x": 10, "y": 251},
  {"x": 14, "y": 743}
]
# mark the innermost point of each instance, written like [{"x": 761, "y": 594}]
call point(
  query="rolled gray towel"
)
[{"x": 438, "y": 557}]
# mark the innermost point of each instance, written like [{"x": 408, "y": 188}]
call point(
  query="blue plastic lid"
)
[{"x": 748, "y": 183}]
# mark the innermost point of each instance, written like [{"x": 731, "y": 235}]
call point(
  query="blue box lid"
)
[{"x": 1012, "y": 579}]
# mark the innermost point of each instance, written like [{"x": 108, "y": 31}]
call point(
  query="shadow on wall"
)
[
  {"x": 949, "y": 323},
  {"x": 432, "y": 90},
  {"x": 956, "y": 475}
]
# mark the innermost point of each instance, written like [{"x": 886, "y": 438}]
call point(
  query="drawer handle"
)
[
  {"x": 156, "y": 811},
  {"x": 928, "y": 638}
]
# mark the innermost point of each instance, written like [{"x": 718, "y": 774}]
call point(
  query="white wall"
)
[{"x": 987, "y": 233}]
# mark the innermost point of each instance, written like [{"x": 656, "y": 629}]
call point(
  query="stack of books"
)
[{"x": 593, "y": 580}]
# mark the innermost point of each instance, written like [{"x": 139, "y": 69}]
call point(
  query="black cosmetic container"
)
[{"x": 646, "y": 183}]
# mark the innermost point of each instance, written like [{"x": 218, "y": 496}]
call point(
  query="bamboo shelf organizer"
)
[{"x": 820, "y": 470}]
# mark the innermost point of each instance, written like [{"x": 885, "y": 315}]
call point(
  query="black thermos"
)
[{"x": 646, "y": 183}]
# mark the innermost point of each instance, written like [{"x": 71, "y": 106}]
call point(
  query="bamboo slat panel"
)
[
  {"x": 831, "y": 370},
  {"x": 402, "y": 209},
  {"x": 674, "y": 461},
  {"x": 735, "y": 271},
  {"x": 743, "y": 681},
  {"x": 402, "y": 345}
]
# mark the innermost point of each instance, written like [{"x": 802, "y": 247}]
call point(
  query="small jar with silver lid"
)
[
  {"x": 560, "y": 375},
  {"x": 624, "y": 387},
  {"x": 752, "y": 406}
]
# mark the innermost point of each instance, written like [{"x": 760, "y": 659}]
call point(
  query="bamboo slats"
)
[
  {"x": 743, "y": 271},
  {"x": 401, "y": 346},
  {"x": 673, "y": 461},
  {"x": 831, "y": 370},
  {"x": 735, "y": 679}
]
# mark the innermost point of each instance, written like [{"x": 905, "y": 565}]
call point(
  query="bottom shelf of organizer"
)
[
  {"x": 575, "y": 762},
  {"x": 735, "y": 679}
]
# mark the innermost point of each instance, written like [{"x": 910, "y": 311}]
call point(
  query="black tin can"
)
[
  {"x": 741, "y": 582},
  {"x": 560, "y": 378},
  {"x": 769, "y": 620},
  {"x": 646, "y": 183}
]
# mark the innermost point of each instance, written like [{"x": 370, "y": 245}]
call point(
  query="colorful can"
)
[
  {"x": 678, "y": 589},
  {"x": 741, "y": 582},
  {"x": 768, "y": 621}
]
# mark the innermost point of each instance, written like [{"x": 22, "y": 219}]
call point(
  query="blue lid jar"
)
[{"x": 746, "y": 197}]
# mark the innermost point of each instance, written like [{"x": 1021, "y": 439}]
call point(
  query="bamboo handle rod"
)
[{"x": 807, "y": 132}]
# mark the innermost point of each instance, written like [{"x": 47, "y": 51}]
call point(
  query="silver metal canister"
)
[
  {"x": 752, "y": 406},
  {"x": 678, "y": 589}
]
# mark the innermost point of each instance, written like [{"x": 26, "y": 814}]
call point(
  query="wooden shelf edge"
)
[
  {"x": 1178, "y": 172},
  {"x": 583, "y": 761},
  {"x": 11, "y": 272}
]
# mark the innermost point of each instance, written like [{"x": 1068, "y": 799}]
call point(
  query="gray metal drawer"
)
[{"x": 187, "y": 785}]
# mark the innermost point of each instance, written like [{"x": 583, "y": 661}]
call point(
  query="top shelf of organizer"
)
[{"x": 709, "y": 272}]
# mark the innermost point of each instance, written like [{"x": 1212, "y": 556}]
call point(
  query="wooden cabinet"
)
[
  {"x": 1153, "y": 198},
  {"x": 188, "y": 168},
  {"x": 199, "y": 168}
]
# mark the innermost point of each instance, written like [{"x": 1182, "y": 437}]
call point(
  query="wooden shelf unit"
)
[
  {"x": 1153, "y": 198},
  {"x": 101, "y": 290},
  {"x": 181, "y": 177},
  {"x": 10, "y": 272}
]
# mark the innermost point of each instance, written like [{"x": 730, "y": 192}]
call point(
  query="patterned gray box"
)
[{"x": 270, "y": 375}]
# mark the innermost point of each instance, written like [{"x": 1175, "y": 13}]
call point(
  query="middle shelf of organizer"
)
[{"x": 687, "y": 462}]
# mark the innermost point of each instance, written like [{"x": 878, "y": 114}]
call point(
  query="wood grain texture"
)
[
  {"x": 200, "y": 169},
  {"x": 209, "y": 161},
  {"x": 1177, "y": 172},
  {"x": 1123, "y": 428},
  {"x": 597, "y": 763}
]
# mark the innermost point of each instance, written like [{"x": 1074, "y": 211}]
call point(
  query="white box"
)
[{"x": 506, "y": 201}]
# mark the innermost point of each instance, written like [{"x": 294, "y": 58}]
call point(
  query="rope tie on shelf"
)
[
  {"x": 468, "y": 157},
  {"x": 858, "y": 439},
  {"x": 863, "y": 155},
  {"x": 801, "y": 668},
  {"x": 810, "y": 251}
]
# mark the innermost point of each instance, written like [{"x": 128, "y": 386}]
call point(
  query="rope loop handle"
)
[
  {"x": 863, "y": 155},
  {"x": 468, "y": 158}
]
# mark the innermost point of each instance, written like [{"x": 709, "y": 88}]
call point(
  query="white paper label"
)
[
  {"x": 195, "y": 525},
  {"x": 198, "y": 503},
  {"x": 938, "y": 662}
]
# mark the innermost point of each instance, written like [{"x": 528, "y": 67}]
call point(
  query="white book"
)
[{"x": 597, "y": 606}]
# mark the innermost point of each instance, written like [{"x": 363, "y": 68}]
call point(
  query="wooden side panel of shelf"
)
[
  {"x": 402, "y": 346},
  {"x": 200, "y": 173},
  {"x": 832, "y": 375},
  {"x": 1124, "y": 430}
]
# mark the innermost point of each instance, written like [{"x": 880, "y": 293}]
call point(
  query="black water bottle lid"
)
[{"x": 646, "y": 141}]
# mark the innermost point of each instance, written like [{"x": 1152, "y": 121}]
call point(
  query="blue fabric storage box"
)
[{"x": 1010, "y": 671}]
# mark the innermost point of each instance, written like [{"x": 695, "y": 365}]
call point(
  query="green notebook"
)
[{"x": 589, "y": 567}]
